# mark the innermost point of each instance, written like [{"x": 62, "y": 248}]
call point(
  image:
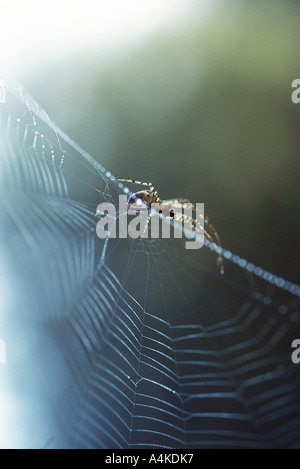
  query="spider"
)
[{"x": 150, "y": 196}]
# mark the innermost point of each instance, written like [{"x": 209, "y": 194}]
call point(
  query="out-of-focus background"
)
[{"x": 193, "y": 95}]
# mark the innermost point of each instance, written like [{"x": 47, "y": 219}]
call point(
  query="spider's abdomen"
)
[{"x": 141, "y": 200}]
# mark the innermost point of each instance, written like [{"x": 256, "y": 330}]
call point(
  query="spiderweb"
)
[{"x": 130, "y": 343}]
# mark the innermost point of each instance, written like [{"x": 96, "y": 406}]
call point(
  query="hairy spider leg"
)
[
  {"x": 220, "y": 258},
  {"x": 133, "y": 181}
]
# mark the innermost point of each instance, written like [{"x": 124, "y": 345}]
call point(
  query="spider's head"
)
[{"x": 141, "y": 200}]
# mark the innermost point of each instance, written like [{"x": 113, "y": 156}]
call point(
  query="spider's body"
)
[{"x": 142, "y": 201}]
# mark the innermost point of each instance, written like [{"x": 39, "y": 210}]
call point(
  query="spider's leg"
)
[
  {"x": 215, "y": 239},
  {"x": 216, "y": 242},
  {"x": 212, "y": 229},
  {"x": 147, "y": 224},
  {"x": 178, "y": 203},
  {"x": 220, "y": 259},
  {"x": 133, "y": 181}
]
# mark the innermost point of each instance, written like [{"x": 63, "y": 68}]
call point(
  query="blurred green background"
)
[{"x": 202, "y": 108}]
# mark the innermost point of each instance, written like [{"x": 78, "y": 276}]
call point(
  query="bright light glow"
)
[
  {"x": 24, "y": 420},
  {"x": 9, "y": 415},
  {"x": 34, "y": 30},
  {"x": 6, "y": 292},
  {"x": 7, "y": 407},
  {"x": 2, "y": 351}
]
